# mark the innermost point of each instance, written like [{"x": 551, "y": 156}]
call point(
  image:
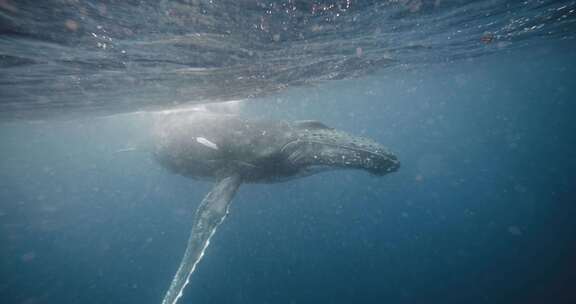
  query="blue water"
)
[{"x": 481, "y": 211}]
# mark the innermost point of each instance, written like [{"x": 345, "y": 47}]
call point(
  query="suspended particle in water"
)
[
  {"x": 8, "y": 6},
  {"x": 487, "y": 38},
  {"x": 71, "y": 25},
  {"x": 28, "y": 256},
  {"x": 514, "y": 230}
]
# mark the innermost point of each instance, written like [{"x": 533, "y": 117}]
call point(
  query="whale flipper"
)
[{"x": 210, "y": 214}]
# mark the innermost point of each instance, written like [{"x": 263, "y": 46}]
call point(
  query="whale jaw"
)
[{"x": 327, "y": 148}]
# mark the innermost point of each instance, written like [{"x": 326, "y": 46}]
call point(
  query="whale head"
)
[{"x": 319, "y": 147}]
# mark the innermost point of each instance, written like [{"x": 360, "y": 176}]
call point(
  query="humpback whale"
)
[{"x": 231, "y": 150}]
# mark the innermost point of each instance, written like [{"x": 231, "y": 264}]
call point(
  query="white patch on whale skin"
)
[{"x": 206, "y": 143}]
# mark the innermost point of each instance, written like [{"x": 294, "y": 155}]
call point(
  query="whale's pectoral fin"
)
[{"x": 211, "y": 212}]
